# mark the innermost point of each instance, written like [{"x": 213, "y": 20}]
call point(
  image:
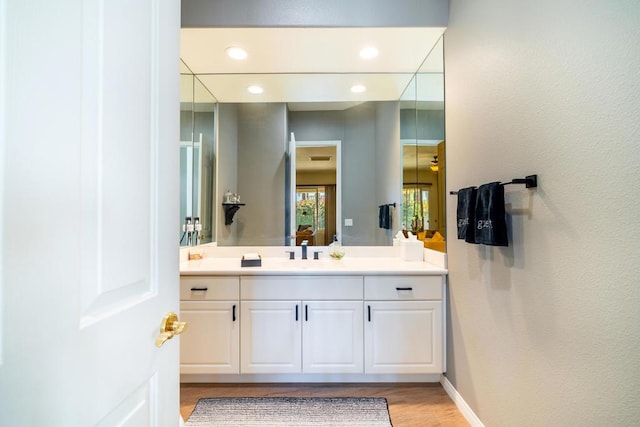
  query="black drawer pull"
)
[
  {"x": 306, "y": 313},
  {"x": 199, "y": 289},
  {"x": 404, "y": 289},
  {"x": 233, "y": 316},
  {"x": 369, "y": 312},
  {"x": 296, "y": 312}
]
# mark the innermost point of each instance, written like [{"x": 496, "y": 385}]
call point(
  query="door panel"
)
[
  {"x": 119, "y": 147},
  {"x": 212, "y": 345},
  {"x": 90, "y": 264},
  {"x": 270, "y": 335},
  {"x": 332, "y": 337},
  {"x": 135, "y": 410},
  {"x": 403, "y": 337}
]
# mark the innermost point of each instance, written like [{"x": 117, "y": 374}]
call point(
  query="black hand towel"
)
[
  {"x": 490, "y": 223},
  {"x": 465, "y": 213},
  {"x": 384, "y": 217}
]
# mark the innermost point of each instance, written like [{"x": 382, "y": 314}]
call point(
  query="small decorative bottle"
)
[{"x": 335, "y": 249}]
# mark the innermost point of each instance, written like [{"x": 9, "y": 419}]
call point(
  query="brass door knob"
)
[{"x": 169, "y": 327}]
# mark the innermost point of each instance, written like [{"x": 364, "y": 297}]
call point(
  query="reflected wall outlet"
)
[{"x": 348, "y": 222}]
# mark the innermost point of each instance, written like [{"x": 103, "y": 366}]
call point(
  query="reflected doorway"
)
[{"x": 317, "y": 196}]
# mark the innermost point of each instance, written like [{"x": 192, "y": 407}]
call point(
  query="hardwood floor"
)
[{"x": 423, "y": 405}]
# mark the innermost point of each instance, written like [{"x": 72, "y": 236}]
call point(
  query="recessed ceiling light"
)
[
  {"x": 236, "y": 53},
  {"x": 358, "y": 89},
  {"x": 369, "y": 52},
  {"x": 255, "y": 89}
]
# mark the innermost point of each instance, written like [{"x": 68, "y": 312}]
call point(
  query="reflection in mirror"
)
[
  {"x": 423, "y": 173},
  {"x": 253, "y": 154},
  {"x": 409, "y": 144},
  {"x": 369, "y": 171},
  {"x": 197, "y": 162},
  {"x": 317, "y": 199}
]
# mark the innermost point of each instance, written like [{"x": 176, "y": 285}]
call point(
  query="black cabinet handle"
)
[
  {"x": 306, "y": 313},
  {"x": 369, "y": 312},
  {"x": 296, "y": 312},
  {"x": 233, "y": 316},
  {"x": 199, "y": 289},
  {"x": 404, "y": 289}
]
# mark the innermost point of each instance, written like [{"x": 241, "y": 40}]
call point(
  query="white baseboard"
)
[
  {"x": 465, "y": 409},
  {"x": 309, "y": 378}
]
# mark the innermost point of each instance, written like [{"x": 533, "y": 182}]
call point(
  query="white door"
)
[
  {"x": 270, "y": 337},
  {"x": 212, "y": 345},
  {"x": 332, "y": 337},
  {"x": 403, "y": 337},
  {"x": 89, "y": 195}
]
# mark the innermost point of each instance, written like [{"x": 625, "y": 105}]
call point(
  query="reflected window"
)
[
  {"x": 310, "y": 215},
  {"x": 415, "y": 208}
]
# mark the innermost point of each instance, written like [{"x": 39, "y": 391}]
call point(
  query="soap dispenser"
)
[{"x": 335, "y": 249}]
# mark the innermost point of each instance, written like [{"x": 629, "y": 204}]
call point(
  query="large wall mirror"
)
[
  {"x": 197, "y": 161},
  {"x": 275, "y": 158}
]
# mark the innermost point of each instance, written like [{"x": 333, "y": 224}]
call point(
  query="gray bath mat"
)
[{"x": 291, "y": 411}]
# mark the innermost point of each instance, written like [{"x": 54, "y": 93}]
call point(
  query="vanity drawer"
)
[
  {"x": 301, "y": 287},
  {"x": 206, "y": 288},
  {"x": 391, "y": 288}
]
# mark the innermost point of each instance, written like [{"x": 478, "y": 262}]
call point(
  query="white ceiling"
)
[{"x": 303, "y": 65}]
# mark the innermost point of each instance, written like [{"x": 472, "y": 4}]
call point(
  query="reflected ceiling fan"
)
[{"x": 434, "y": 164}]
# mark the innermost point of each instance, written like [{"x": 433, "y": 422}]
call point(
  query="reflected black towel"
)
[
  {"x": 490, "y": 222},
  {"x": 384, "y": 217},
  {"x": 465, "y": 213}
]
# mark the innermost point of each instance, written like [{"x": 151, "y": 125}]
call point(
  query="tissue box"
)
[
  {"x": 411, "y": 250},
  {"x": 251, "y": 260}
]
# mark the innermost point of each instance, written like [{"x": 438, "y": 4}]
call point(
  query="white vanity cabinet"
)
[
  {"x": 211, "y": 343},
  {"x": 312, "y": 327},
  {"x": 301, "y": 324},
  {"x": 403, "y": 331}
]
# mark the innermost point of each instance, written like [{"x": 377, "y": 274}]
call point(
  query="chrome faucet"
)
[{"x": 303, "y": 245}]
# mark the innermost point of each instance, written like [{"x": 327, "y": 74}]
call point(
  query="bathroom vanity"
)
[{"x": 367, "y": 317}]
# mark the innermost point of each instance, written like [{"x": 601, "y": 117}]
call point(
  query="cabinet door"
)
[
  {"x": 403, "y": 337},
  {"x": 271, "y": 335},
  {"x": 211, "y": 343},
  {"x": 332, "y": 337}
]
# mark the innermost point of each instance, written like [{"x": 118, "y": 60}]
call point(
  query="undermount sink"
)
[{"x": 296, "y": 264}]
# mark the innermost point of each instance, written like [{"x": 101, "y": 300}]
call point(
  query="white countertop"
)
[{"x": 220, "y": 262}]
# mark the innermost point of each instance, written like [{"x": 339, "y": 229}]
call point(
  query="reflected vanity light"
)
[
  {"x": 358, "y": 88},
  {"x": 368, "y": 52},
  {"x": 256, "y": 90},
  {"x": 236, "y": 53}
]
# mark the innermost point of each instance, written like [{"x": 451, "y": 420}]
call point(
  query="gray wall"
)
[
  {"x": 251, "y": 163},
  {"x": 326, "y": 13},
  {"x": 430, "y": 124},
  {"x": 227, "y": 165},
  {"x": 262, "y": 136},
  {"x": 358, "y": 178},
  {"x": 388, "y": 165},
  {"x": 317, "y": 125},
  {"x": 546, "y": 332}
]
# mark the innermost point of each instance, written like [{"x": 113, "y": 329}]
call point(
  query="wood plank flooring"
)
[{"x": 410, "y": 405}]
